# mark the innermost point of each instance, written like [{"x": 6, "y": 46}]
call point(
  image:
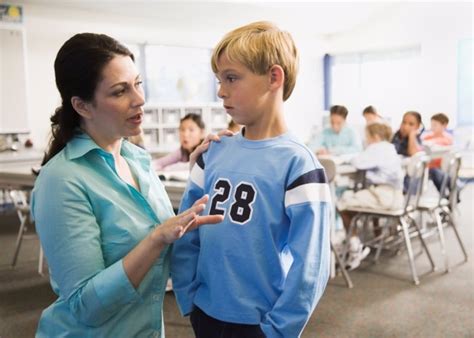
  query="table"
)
[{"x": 23, "y": 155}]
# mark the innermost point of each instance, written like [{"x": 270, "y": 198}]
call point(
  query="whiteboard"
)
[{"x": 13, "y": 89}]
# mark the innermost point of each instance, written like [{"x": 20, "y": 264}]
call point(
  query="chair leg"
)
[
  {"x": 385, "y": 231},
  {"x": 452, "y": 222},
  {"x": 19, "y": 238},
  {"x": 423, "y": 243},
  {"x": 411, "y": 259},
  {"x": 442, "y": 239},
  {"x": 344, "y": 272},
  {"x": 349, "y": 234}
]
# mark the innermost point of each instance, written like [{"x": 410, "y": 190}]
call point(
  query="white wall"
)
[
  {"x": 437, "y": 28},
  {"x": 47, "y": 28}
]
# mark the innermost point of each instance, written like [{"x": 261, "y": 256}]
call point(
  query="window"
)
[
  {"x": 465, "y": 76},
  {"x": 179, "y": 74},
  {"x": 175, "y": 74},
  {"x": 388, "y": 80}
]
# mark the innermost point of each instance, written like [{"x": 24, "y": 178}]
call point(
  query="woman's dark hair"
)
[
  {"x": 196, "y": 118},
  {"x": 78, "y": 68},
  {"x": 339, "y": 110}
]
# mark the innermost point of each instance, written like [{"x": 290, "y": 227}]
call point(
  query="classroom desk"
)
[
  {"x": 18, "y": 176},
  {"x": 23, "y": 155}
]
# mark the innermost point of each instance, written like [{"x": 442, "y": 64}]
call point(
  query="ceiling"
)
[{"x": 303, "y": 17}]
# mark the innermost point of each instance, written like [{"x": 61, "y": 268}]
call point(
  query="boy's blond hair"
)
[
  {"x": 259, "y": 46},
  {"x": 381, "y": 130}
]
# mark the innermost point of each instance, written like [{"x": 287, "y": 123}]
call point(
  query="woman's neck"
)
[{"x": 109, "y": 144}]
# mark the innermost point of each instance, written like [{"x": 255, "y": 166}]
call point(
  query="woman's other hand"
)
[
  {"x": 175, "y": 227},
  {"x": 205, "y": 145}
]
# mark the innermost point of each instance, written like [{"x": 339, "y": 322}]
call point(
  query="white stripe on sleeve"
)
[
  {"x": 311, "y": 192},
  {"x": 197, "y": 176}
]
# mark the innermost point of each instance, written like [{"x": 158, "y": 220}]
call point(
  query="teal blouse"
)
[{"x": 88, "y": 219}]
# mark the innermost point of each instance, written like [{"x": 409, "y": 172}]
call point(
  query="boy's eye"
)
[
  {"x": 231, "y": 78},
  {"x": 138, "y": 83}
]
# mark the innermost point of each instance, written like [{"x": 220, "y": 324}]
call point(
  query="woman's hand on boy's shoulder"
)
[{"x": 205, "y": 145}]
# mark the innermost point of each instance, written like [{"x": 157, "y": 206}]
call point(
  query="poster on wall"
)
[{"x": 11, "y": 13}]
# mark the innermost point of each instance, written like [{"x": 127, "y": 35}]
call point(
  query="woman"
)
[{"x": 103, "y": 217}]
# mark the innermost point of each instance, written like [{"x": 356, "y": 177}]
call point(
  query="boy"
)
[
  {"x": 437, "y": 137},
  {"x": 338, "y": 139},
  {"x": 263, "y": 271},
  {"x": 370, "y": 115}
]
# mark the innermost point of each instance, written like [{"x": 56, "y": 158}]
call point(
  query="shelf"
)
[{"x": 161, "y": 121}]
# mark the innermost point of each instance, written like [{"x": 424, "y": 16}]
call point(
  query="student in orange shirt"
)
[{"x": 440, "y": 137}]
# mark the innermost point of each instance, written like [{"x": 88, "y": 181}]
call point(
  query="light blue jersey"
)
[{"x": 275, "y": 200}]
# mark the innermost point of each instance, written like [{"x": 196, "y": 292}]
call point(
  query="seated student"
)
[
  {"x": 407, "y": 139},
  {"x": 383, "y": 174},
  {"x": 370, "y": 115},
  {"x": 191, "y": 134},
  {"x": 440, "y": 137},
  {"x": 338, "y": 139}
]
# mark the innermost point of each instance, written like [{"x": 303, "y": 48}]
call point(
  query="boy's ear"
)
[
  {"x": 81, "y": 107},
  {"x": 277, "y": 77}
]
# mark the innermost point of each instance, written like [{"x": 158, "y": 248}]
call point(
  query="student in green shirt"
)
[{"x": 338, "y": 139}]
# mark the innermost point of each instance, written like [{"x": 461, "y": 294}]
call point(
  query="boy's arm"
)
[
  {"x": 185, "y": 251},
  {"x": 308, "y": 206}
]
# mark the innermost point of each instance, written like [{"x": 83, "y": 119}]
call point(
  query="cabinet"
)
[{"x": 161, "y": 123}]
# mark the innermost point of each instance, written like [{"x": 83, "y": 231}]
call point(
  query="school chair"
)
[
  {"x": 401, "y": 220},
  {"x": 442, "y": 209},
  {"x": 330, "y": 168}
]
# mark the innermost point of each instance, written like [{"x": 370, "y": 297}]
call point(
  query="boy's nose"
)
[{"x": 221, "y": 93}]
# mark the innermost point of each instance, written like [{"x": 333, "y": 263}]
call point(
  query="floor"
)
[{"x": 383, "y": 302}]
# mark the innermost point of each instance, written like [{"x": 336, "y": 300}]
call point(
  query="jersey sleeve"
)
[
  {"x": 307, "y": 204},
  {"x": 185, "y": 251}
]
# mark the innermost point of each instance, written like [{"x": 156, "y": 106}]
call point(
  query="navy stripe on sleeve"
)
[
  {"x": 313, "y": 176},
  {"x": 200, "y": 162}
]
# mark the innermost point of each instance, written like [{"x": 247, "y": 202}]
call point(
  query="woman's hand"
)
[
  {"x": 175, "y": 227},
  {"x": 205, "y": 145}
]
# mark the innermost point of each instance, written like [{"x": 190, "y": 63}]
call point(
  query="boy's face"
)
[
  {"x": 437, "y": 127},
  {"x": 337, "y": 122},
  {"x": 245, "y": 94}
]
